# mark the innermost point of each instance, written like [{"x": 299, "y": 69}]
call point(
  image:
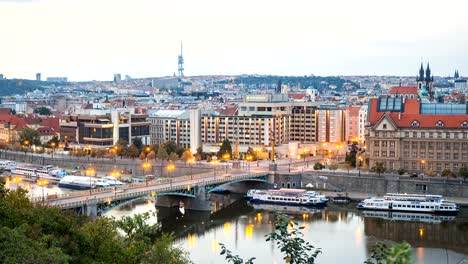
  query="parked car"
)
[{"x": 414, "y": 175}]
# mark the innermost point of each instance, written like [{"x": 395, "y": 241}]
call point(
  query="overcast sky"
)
[{"x": 93, "y": 39}]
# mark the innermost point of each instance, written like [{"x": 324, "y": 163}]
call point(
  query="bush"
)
[
  {"x": 318, "y": 166},
  {"x": 401, "y": 171}
]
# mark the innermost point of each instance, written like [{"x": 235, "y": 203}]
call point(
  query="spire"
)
[
  {"x": 421, "y": 73},
  {"x": 428, "y": 73}
]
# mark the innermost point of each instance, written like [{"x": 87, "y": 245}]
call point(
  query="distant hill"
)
[
  {"x": 19, "y": 86},
  {"x": 317, "y": 82}
]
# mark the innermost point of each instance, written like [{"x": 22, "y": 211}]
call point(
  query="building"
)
[
  {"x": 352, "y": 122},
  {"x": 38, "y": 77},
  {"x": 362, "y": 123},
  {"x": 170, "y": 125},
  {"x": 404, "y": 91},
  {"x": 10, "y": 127},
  {"x": 331, "y": 124},
  {"x": 117, "y": 77},
  {"x": 417, "y": 136},
  {"x": 105, "y": 127},
  {"x": 57, "y": 79}
]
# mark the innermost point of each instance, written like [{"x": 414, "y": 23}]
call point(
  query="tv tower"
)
[{"x": 181, "y": 62}]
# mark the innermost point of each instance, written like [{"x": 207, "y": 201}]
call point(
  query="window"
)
[
  {"x": 384, "y": 143},
  {"x": 431, "y": 134},
  {"x": 376, "y": 153},
  {"x": 421, "y": 187},
  {"x": 414, "y": 145},
  {"x": 406, "y": 145},
  {"x": 384, "y": 154},
  {"x": 376, "y": 143},
  {"x": 407, "y": 134},
  {"x": 377, "y": 133},
  {"x": 384, "y": 134},
  {"x": 415, "y": 123},
  {"x": 439, "y": 135},
  {"x": 414, "y": 154},
  {"x": 415, "y": 134},
  {"x": 384, "y": 126},
  {"x": 456, "y": 146},
  {"x": 447, "y": 156},
  {"x": 456, "y": 156},
  {"x": 406, "y": 154},
  {"x": 447, "y": 134},
  {"x": 423, "y": 134},
  {"x": 439, "y": 145},
  {"x": 440, "y": 124},
  {"x": 422, "y": 145},
  {"x": 392, "y": 154},
  {"x": 392, "y": 144},
  {"x": 448, "y": 145},
  {"x": 464, "y": 124},
  {"x": 439, "y": 155}
]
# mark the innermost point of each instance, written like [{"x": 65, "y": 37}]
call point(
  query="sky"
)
[{"x": 93, "y": 39}]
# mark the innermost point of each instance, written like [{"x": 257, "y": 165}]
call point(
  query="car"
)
[{"x": 414, "y": 175}]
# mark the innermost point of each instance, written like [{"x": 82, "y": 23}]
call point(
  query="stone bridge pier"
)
[{"x": 198, "y": 200}]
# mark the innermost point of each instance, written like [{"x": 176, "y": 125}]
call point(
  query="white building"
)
[{"x": 362, "y": 123}]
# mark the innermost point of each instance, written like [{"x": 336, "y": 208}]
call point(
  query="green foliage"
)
[
  {"x": 250, "y": 152},
  {"x": 133, "y": 152},
  {"x": 446, "y": 172},
  {"x": 351, "y": 159},
  {"x": 318, "y": 166},
  {"x": 333, "y": 165},
  {"x": 29, "y": 135},
  {"x": 162, "y": 153},
  {"x": 31, "y": 234},
  {"x": 54, "y": 140},
  {"x": 138, "y": 143},
  {"x": 379, "y": 167},
  {"x": 397, "y": 254},
  {"x": 173, "y": 156},
  {"x": 235, "y": 259},
  {"x": 289, "y": 239},
  {"x": 463, "y": 172},
  {"x": 42, "y": 111},
  {"x": 187, "y": 155},
  {"x": 16, "y": 86},
  {"x": 401, "y": 171},
  {"x": 225, "y": 148}
]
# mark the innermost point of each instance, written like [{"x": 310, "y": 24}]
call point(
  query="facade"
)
[
  {"x": 331, "y": 124},
  {"x": 105, "y": 127},
  {"x": 362, "y": 123},
  {"x": 417, "y": 136},
  {"x": 352, "y": 122}
]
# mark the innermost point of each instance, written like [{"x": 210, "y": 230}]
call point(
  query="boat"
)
[
  {"x": 31, "y": 172},
  {"x": 287, "y": 196},
  {"x": 341, "y": 199},
  {"x": 409, "y": 216},
  {"x": 7, "y": 165},
  {"x": 410, "y": 203},
  {"x": 112, "y": 181},
  {"x": 82, "y": 183},
  {"x": 287, "y": 209}
]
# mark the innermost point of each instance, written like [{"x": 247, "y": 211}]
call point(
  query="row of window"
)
[{"x": 407, "y": 134}]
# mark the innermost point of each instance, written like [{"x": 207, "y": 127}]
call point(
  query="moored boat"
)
[
  {"x": 82, "y": 183},
  {"x": 410, "y": 203},
  {"x": 409, "y": 216},
  {"x": 287, "y": 196}
]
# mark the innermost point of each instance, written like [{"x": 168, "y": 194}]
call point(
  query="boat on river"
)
[
  {"x": 410, "y": 203},
  {"x": 82, "y": 183},
  {"x": 287, "y": 196}
]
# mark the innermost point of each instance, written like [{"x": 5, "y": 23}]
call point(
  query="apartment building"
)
[{"x": 417, "y": 136}]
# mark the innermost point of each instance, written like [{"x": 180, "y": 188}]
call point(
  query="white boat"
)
[
  {"x": 82, "y": 183},
  {"x": 409, "y": 216},
  {"x": 287, "y": 196},
  {"x": 7, "y": 165},
  {"x": 112, "y": 181},
  {"x": 31, "y": 172},
  {"x": 409, "y": 203}
]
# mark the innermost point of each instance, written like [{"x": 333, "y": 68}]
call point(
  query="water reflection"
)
[{"x": 343, "y": 233}]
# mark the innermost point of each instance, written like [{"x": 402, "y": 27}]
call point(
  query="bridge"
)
[{"x": 192, "y": 190}]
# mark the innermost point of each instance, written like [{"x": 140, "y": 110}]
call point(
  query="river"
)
[{"x": 344, "y": 234}]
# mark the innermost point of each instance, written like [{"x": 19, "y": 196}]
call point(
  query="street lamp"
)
[
  {"x": 146, "y": 165},
  {"x": 53, "y": 148},
  {"x": 90, "y": 172},
  {"x": 248, "y": 158},
  {"x": 359, "y": 166},
  {"x": 17, "y": 180},
  {"x": 170, "y": 167},
  {"x": 214, "y": 161},
  {"x": 423, "y": 162},
  {"x": 190, "y": 161},
  {"x": 42, "y": 183}
]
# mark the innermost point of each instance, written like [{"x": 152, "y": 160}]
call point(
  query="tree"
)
[
  {"x": 251, "y": 153},
  {"x": 138, "y": 143},
  {"x": 463, "y": 172},
  {"x": 29, "y": 136},
  {"x": 379, "y": 167},
  {"x": 318, "y": 166},
  {"x": 133, "y": 152},
  {"x": 142, "y": 155},
  {"x": 397, "y": 254},
  {"x": 55, "y": 140},
  {"x": 401, "y": 171},
  {"x": 289, "y": 239},
  {"x": 333, "y": 165},
  {"x": 225, "y": 149},
  {"x": 171, "y": 146},
  {"x": 187, "y": 156},
  {"x": 351, "y": 158},
  {"x": 162, "y": 153},
  {"x": 42, "y": 111},
  {"x": 446, "y": 172},
  {"x": 151, "y": 155},
  {"x": 430, "y": 172},
  {"x": 173, "y": 156},
  {"x": 121, "y": 147}
]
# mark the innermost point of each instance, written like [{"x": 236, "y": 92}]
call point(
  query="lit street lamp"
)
[
  {"x": 17, "y": 180},
  {"x": 42, "y": 183},
  {"x": 359, "y": 166},
  {"x": 170, "y": 167},
  {"x": 90, "y": 172},
  {"x": 248, "y": 158},
  {"x": 53, "y": 148},
  {"x": 190, "y": 161},
  {"x": 214, "y": 161}
]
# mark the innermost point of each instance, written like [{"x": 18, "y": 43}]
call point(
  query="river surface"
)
[{"x": 344, "y": 234}]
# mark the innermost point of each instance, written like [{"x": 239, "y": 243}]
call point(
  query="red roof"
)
[
  {"x": 14, "y": 121},
  {"x": 411, "y": 113},
  {"x": 5, "y": 111},
  {"x": 297, "y": 96},
  {"x": 404, "y": 90}
]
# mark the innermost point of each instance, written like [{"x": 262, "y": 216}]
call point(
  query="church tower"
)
[
  {"x": 429, "y": 80},
  {"x": 420, "y": 78}
]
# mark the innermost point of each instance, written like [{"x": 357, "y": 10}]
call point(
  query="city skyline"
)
[{"x": 92, "y": 41}]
